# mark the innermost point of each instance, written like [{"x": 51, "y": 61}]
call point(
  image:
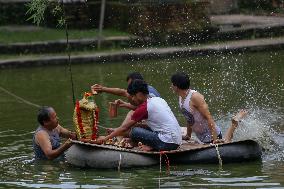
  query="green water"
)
[{"x": 253, "y": 81}]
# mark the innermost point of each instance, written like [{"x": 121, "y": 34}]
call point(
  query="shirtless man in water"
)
[{"x": 195, "y": 110}]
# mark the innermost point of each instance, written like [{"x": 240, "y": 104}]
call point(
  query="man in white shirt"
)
[{"x": 163, "y": 131}]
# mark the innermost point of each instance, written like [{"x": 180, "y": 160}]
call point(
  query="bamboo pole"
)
[{"x": 102, "y": 15}]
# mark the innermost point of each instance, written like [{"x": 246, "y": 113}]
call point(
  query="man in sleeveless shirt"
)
[
  {"x": 195, "y": 110},
  {"x": 163, "y": 132},
  {"x": 199, "y": 119},
  {"x": 46, "y": 139}
]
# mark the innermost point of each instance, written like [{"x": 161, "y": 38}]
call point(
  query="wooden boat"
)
[{"x": 107, "y": 156}]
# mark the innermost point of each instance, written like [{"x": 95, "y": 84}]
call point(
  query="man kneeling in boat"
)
[
  {"x": 163, "y": 131},
  {"x": 46, "y": 140}
]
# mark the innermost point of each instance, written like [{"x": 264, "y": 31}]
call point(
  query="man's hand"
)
[
  {"x": 218, "y": 141},
  {"x": 101, "y": 140},
  {"x": 121, "y": 103},
  {"x": 189, "y": 140},
  {"x": 185, "y": 137},
  {"x": 73, "y": 136},
  {"x": 68, "y": 143},
  {"x": 109, "y": 130},
  {"x": 97, "y": 88}
]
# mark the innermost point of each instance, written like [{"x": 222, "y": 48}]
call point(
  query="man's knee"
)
[{"x": 135, "y": 131}]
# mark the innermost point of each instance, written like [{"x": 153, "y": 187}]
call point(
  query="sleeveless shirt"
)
[
  {"x": 54, "y": 140},
  {"x": 196, "y": 119}
]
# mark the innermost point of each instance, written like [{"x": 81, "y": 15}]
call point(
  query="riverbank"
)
[
  {"x": 24, "y": 40},
  {"x": 237, "y": 46},
  {"x": 236, "y": 33}
]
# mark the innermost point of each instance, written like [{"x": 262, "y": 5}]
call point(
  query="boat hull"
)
[
  {"x": 241, "y": 151},
  {"x": 103, "y": 156},
  {"x": 89, "y": 156}
]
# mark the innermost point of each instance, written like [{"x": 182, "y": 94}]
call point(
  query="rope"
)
[
  {"x": 68, "y": 53},
  {"x": 160, "y": 162},
  {"x": 19, "y": 98},
  {"x": 166, "y": 160},
  {"x": 69, "y": 64},
  {"x": 119, "y": 163},
  {"x": 218, "y": 155}
]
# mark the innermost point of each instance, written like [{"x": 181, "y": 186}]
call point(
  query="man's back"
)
[
  {"x": 153, "y": 92},
  {"x": 162, "y": 119}
]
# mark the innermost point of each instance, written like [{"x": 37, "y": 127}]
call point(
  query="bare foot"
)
[
  {"x": 126, "y": 143},
  {"x": 145, "y": 148},
  {"x": 239, "y": 116}
]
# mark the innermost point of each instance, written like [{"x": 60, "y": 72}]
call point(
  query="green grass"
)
[
  {"x": 45, "y": 34},
  {"x": 73, "y": 53}
]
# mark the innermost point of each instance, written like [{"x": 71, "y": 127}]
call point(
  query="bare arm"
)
[
  {"x": 42, "y": 138},
  {"x": 119, "y": 131},
  {"x": 188, "y": 132},
  {"x": 199, "y": 103},
  {"x": 65, "y": 133},
  {"x": 124, "y": 104},
  {"x": 116, "y": 91}
]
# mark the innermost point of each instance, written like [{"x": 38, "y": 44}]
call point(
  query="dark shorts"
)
[
  {"x": 150, "y": 138},
  {"x": 218, "y": 137}
]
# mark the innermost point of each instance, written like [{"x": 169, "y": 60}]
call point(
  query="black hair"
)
[
  {"x": 44, "y": 114},
  {"x": 181, "y": 80},
  {"x": 136, "y": 86},
  {"x": 134, "y": 75}
]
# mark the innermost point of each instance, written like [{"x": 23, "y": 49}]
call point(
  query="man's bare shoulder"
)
[
  {"x": 197, "y": 96},
  {"x": 41, "y": 135},
  {"x": 197, "y": 99}
]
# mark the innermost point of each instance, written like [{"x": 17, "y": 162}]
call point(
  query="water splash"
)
[{"x": 264, "y": 126}]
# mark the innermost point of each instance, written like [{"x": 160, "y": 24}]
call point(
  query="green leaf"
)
[{"x": 37, "y": 9}]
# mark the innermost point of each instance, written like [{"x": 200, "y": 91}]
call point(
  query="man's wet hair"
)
[
  {"x": 134, "y": 75},
  {"x": 181, "y": 80},
  {"x": 44, "y": 114},
  {"x": 136, "y": 86}
]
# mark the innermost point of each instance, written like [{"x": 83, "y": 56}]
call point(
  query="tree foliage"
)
[{"x": 38, "y": 8}]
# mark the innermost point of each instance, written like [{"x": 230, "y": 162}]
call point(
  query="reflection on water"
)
[
  {"x": 229, "y": 83},
  {"x": 63, "y": 176}
]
